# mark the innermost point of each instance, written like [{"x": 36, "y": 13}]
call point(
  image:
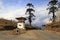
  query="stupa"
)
[{"x": 21, "y": 22}]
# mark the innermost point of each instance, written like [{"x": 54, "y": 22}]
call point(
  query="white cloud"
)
[
  {"x": 9, "y": 14},
  {"x": 42, "y": 17},
  {"x": 0, "y": 5}
]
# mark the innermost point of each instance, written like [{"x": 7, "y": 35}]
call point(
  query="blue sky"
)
[
  {"x": 10, "y": 9},
  {"x": 9, "y": 6},
  {"x": 22, "y": 3}
]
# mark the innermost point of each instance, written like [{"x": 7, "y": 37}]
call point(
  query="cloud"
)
[
  {"x": 11, "y": 12},
  {"x": 42, "y": 17},
  {"x": 1, "y": 4}
]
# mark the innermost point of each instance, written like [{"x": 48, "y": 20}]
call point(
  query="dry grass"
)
[
  {"x": 4, "y": 22},
  {"x": 53, "y": 26}
]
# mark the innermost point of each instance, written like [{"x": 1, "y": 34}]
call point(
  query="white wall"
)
[{"x": 20, "y": 25}]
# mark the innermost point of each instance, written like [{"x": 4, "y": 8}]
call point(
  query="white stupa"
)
[{"x": 21, "y": 22}]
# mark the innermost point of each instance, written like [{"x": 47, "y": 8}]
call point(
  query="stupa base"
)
[{"x": 19, "y": 31}]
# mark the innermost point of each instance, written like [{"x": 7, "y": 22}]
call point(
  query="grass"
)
[{"x": 53, "y": 26}]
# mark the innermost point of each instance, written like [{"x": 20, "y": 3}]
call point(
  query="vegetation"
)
[
  {"x": 29, "y": 10},
  {"x": 53, "y": 26},
  {"x": 52, "y": 8},
  {"x": 7, "y": 24}
]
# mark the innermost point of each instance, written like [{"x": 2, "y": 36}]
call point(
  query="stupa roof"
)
[{"x": 21, "y": 18}]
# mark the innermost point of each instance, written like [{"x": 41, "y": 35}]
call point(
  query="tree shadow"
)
[
  {"x": 9, "y": 27},
  {"x": 32, "y": 28}
]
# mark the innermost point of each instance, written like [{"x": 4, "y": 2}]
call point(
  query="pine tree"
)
[
  {"x": 53, "y": 8},
  {"x": 29, "y": 10}
]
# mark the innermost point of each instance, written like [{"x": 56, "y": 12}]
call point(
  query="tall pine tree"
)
[
  {"x": 52, "y": 9},
  {"x": 29, "y": 11}
]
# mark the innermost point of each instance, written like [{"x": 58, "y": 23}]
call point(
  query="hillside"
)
[
  {"x": 53, "y": 26},
  {"x": 7, "y": 24}
]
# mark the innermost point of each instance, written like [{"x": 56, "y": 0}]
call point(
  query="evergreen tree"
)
[
  {"x": 52, "y": 8},
  {"x": 29, "y": 10}
]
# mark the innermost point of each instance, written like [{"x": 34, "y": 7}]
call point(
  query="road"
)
[
  {"x": 47, "y": 35},
  {"x": 30, "y": 35}
]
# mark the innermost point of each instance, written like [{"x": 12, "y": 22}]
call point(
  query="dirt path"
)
[
  {"x": 30, "y": 35},
  {"x": 44, "y": 35}
]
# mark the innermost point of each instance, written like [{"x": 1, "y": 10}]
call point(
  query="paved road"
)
[{"x": 30, "y": 35}]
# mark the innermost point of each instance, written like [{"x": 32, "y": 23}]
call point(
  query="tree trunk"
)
[
  {"x": 30, "y": 17},
  {"x": 53, "y": 16}
]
